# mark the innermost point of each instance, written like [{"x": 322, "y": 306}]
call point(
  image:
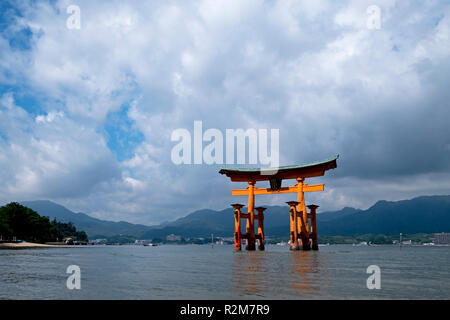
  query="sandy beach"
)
[{"x": 27, "y": 245}]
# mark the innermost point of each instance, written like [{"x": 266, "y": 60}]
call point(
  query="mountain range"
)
[{"x": 427, "y": 214}]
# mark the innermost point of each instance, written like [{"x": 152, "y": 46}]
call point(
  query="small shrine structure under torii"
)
[{"x": 303, "y": 228}]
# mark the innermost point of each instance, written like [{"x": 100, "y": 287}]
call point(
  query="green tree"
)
[
  {"x": 26, "y": 224},
  {"x": 69, "y": 230}
]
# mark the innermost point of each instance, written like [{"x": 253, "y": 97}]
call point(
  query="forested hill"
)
[{"x": 22, "y": 223}]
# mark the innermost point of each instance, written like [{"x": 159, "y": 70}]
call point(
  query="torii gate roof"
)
[{"x": 308, "y": 170}]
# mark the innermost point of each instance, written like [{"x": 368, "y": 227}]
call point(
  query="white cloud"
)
[
  {"x": 310, "y": 68},
  {"x": 50, "y": 157},
  {"x": 50, "y": 117}
]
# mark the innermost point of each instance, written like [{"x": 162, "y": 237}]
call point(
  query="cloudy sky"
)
[{"x": 86, "y": 115}]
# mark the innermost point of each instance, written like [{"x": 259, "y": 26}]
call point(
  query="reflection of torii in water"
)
[
  {"x": 301, "y": 230},
  {"x": 261, "y": 274}
]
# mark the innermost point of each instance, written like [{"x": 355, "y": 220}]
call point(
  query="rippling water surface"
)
[{"x": 202, "y": 272}]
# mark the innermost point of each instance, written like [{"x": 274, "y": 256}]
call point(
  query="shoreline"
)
[
  {"x": 32, "y": 245},
  {"x": 29, "y": 245}
]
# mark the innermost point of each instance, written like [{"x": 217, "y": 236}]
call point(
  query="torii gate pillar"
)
[
  {"x": 303, "y": 215},
  {"x": 251, "y": 243},
  {"x": 260, "y": 235},
  {"x": 315, "y": 243}
]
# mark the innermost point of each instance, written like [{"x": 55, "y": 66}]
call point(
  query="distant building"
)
[
  {"x": 98, "y": 241},
  {"x": 68, "y": 240},
  {"x": 143, "y": 242},
  {"x": 441, "y": 238},
  {"x": 173, "y": 237}
]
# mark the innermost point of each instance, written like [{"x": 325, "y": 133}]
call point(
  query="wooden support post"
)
[
  {"x": 303, "y": 221},
  {"x": 237, "y": 226},
  {"x": 294, "y": 229},
  {"x": 315, "y": 243},
  {"x": 251, "y": 217},
  {"x": 260, "y": 217}
]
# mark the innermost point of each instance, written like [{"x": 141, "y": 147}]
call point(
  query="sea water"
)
[{"x": 205, "y": 272}]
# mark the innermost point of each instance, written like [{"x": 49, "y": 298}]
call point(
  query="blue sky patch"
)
[
  {"x": 18, "y": 38},
  {"x": 25, "y": 98},
  {"x": 122, "y": 135}
]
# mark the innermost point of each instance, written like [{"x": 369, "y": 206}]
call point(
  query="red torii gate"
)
[{"x": 301, "y": 230}]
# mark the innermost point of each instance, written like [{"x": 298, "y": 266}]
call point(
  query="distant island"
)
[
  {"x": 19, "y": 223},
  {"x": 418, "y": 219}
]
